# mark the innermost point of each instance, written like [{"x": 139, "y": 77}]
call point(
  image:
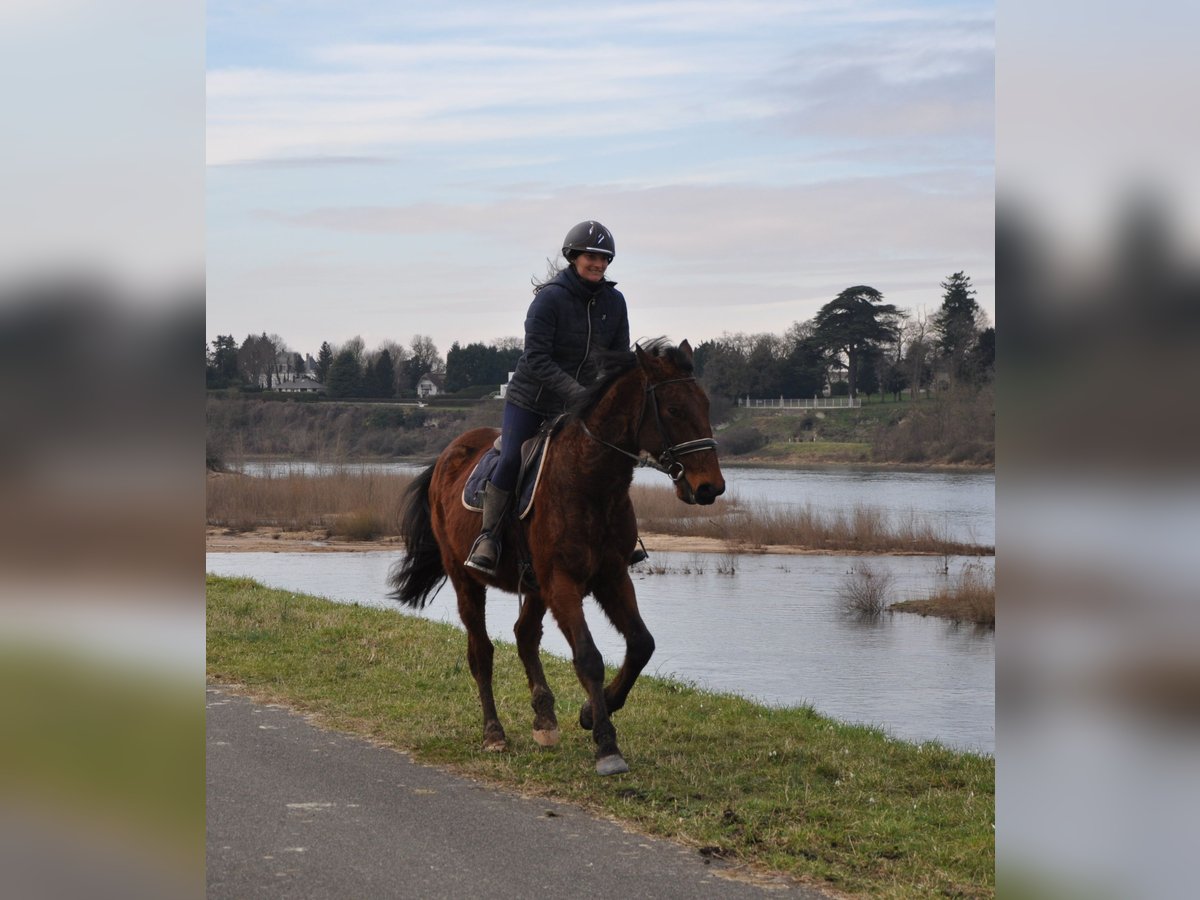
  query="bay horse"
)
[{"x": 646, "y": 408}]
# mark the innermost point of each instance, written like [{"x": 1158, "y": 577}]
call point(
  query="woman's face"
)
[{"x": 591, "y": 266}]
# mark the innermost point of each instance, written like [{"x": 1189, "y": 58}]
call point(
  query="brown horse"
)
[{"x": 578, "y": 537}]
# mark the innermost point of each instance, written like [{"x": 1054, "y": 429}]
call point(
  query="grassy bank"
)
[
  {"x": 364, "y": 505},
  {"x": 783, "y": 790}
]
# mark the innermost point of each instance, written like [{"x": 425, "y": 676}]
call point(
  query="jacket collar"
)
[{"x": 570, "y": 279}]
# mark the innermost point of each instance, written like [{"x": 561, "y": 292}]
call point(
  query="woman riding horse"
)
[
  {"x": 574, "y": 316},
  {"x": 646, "y": 409}
]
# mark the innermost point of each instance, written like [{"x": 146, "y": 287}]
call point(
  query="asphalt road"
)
[{"x": 297, "y": 811}]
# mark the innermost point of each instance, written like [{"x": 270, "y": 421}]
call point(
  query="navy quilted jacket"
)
[{"x": 568, "y": 321}]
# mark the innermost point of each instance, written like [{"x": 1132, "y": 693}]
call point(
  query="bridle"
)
[{"x": 668, "y": 460}]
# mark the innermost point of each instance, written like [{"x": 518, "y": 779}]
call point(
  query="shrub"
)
[
  {"x": 864, "y": 591},
  {"x": 741, "y": 439}
]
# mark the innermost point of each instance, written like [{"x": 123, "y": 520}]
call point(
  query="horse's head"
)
[{"x": 675, "y": 429}]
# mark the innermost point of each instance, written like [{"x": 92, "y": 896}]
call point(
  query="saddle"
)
[{"x": 533, "y": 455}]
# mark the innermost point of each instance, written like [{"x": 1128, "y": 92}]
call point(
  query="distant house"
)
[
  {"x": 302, "y": 386},
  {"x": 430, "y": 385},
  {"x": 503, "y": 392}
]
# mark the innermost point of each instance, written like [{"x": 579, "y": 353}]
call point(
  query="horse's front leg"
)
[
  {"x": 529, "y": 638},
  {"x": 566, "y": 602},
  {"x": 471, "y": 596},
  {"x": 619, "y": 602}
]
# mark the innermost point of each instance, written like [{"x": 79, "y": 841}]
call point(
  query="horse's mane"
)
[{"x": 614, "y": 364}]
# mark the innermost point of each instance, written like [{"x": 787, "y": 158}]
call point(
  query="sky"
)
[{"x": 385, "y": 170}]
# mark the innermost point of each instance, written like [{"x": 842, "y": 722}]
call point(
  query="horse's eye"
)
[{"x": 674, "y": 411}]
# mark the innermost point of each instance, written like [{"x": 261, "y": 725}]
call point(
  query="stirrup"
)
[
  {"x": 480, "y": 563},
  {"x": 639, "y": 554}
]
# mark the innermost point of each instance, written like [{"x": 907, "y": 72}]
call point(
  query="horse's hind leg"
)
[
  {"x": 479, "y": 655},
  {"x": 529, "y": 637},
  {"x": 619, "y": 603}
]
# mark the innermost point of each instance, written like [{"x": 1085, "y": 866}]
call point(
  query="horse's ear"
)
[
  {"x": 686, "y": 349},
  {"x": 641, "y": 354}
]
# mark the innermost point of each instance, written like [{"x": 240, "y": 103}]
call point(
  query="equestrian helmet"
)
[{"x": 589, "y": 237}]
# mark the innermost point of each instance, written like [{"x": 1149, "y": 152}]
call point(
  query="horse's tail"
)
[{"x": 416, "y": 577}]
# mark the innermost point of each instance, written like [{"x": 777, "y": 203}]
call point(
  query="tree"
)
[
  {"x": 345, "y": 375},
  {"x": 324, "y": 361},
  {"x": 722, "y": 368},
  {"x": 916, "y": 353},
  {"x": 385, "y": 376},
  {"x": 222, "y": 368},
  {"x": 425, "y": 351},
  {"x": 855, "y": 321},
  {"x": 957, "y": 324},
  {"x": 867, "y": 379},
  {"x": 256, "y": 360},
  {"x": 805, "y": 371},
  {"x": 399, "y": 356},
  {"x": 298, "y": 365},
  {"x": 982, "y": 362},
  {"x": 423, "y": 358}
]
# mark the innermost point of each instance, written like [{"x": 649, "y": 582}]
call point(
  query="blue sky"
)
[{"x": 386, "y": 170}]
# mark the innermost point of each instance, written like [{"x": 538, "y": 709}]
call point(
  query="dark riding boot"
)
[
  {"x": 639, "y": 554},
  {"x": 485, "y": 552}
]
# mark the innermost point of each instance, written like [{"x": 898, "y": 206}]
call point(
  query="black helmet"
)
[{"x": 589, "y": 237}]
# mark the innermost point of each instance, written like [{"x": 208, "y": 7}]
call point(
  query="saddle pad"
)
[{"x": 472, "y": 497}]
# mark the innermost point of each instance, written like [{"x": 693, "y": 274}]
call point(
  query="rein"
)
[{"x": 668, "y": 460}]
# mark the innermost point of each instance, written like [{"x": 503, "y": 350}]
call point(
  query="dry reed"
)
[
  {"x": 970, "y": 597},
  {"x": 353, "y": 504},
  {"x": 363, "y": 505}
]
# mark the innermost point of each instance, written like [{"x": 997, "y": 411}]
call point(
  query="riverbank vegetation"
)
[
  {"x": 365, "y": 505},
  {"x": 955, "y": 427},
  {"x": 778, "y": 790},
  {"x": 970, "y": 597}
]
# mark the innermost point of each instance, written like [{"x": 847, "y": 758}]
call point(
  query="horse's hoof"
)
[
  {"x": 546, "y": 737},
  {"x": 495, "y": 745},
  {"x": 612, "y": 765}
]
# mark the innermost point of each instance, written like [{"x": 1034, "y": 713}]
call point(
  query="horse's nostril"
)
[{"x": 706, "y": 493}]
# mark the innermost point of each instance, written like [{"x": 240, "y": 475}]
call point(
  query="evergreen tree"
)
[
  {"x": 385, "y": 375},
  {"x": 956, "y": 325},
  {"x": 324, "y": 361},
  {"x": 805, "y": 370},
  {"x": 853, "y": 322},
  {"x": 345, "y": 375},
  {"x": 222, "y": 369}
]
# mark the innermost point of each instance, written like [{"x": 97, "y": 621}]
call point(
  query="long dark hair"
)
[{"x": 553, "y": 269}]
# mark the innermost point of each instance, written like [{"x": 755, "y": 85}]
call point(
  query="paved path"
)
[{"x": 297, "y": 811}]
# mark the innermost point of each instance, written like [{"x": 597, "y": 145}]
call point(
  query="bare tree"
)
[
  {"x": 917, "y": 350},
  {"x": 425, "y": 352},
  {"x": 356, "y": 347}
]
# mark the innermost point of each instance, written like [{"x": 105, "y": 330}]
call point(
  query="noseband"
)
[{"x": 668, "y": 460}]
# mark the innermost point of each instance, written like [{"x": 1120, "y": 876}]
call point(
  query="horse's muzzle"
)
[{"x": 704, "y": 495}]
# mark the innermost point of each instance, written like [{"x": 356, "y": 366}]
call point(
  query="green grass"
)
[{"x": 783, "y": 790}]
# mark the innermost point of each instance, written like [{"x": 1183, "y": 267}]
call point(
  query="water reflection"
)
[{"x": 774, "y": 631}]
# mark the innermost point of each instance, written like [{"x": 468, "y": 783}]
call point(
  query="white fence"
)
[{"x": 813, "y": 403}]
